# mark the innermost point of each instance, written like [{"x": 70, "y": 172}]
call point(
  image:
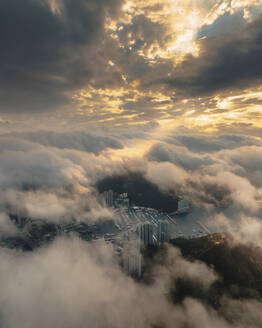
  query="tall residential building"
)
[
  {"x": 183, "y": 206},
  {"x": 109, "y": 198},
  {"x": 133, "y": 264},
  {"x": 122, "y": 200},
  {"x": 162, "y": 231},
  {"x": 132, "y": 258},
  {"x": 145, "y": 232}
]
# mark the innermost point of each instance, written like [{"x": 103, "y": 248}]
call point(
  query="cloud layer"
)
[
  {"x": 48, "y": 49},
  {"x": 110, "y": 62}
]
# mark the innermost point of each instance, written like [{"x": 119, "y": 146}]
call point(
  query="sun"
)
[{"x": 224, "y": 104}]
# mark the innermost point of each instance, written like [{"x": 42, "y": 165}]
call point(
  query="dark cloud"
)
[
  {"x": 80, "y": 140},
  {"x": 224, "y": 25},
  {"x": 143, "y": 31},
  {"x": 225, "y": 62},
  {"x": 45, "y": 53},
  {"x": 201, "y": 144},
  {"x": 179, "y": 156}
]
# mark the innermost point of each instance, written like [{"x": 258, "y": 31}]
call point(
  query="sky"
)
[
  {"x": 169, "y": 89},
  {"x": 116, "y": 63}
]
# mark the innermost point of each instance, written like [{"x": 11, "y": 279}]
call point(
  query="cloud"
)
[
  {"x": 165, "y": 175},
  {"x": 53, "y": 178},
  {"x": 30, "y": 164},
  {"x": 176, "y": 267},
  {"x": 97, "y": 292},
  {"x": 201, "y": 144},
  {"x": 225, "y": 62},
  {"x": 244, "y": 229},
  {"x": 219, "y": 187},
  {"x": 7, "y": 227},
  {"x": 249, "y": 159},
  {"x": 77, "y": 140},
  {"x": 32, "y": 169},
  {"x": 47, "y": 53},
  {"x": 110, "y": 62},
  {"x": 223, "y": 170},
  {"x": 179, "y": 156},
  {"x": 54, "y": 184},
  {"x": 57, "y": 164}
]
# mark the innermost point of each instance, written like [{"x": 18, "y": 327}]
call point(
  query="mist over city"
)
[{"x": 131, "y": 163}]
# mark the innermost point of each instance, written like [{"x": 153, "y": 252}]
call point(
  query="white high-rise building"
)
[
  {"x": 109, "y": 198},
  {"x": 162, "y": 231},
  {"x": 132, "y": 258},
  {"x": 133, "y": 264},
  {"x": 145, "y": 232},
  {"x": 183, "y": 206}
]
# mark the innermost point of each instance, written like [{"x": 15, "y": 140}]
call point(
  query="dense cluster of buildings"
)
[
  {"x": 151, "y": 235},
  {"x": 145, "y": 235},
  {"x": 132, "y": 228},
  {"x": 148, "y": 227},
  {"x": 138, "y": 226},
  {"x": 114, "y": 199}
]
